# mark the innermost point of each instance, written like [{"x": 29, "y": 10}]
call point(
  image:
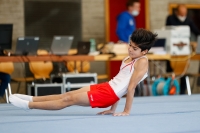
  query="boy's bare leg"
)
[
  {"x": 60, "y": 96},
  {"x": 46, "y": 98},
  {"x": 70, "y": 99}
]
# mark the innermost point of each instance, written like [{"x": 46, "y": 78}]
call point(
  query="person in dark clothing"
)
[
  {"x": 180, "y": 18},
  {"x": 4, "y": 80}
]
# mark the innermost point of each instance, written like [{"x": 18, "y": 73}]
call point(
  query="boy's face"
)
[{"x": 134, "y": 51}]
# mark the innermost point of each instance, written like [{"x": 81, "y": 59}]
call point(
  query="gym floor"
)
[{"x": 161, "y": 114}]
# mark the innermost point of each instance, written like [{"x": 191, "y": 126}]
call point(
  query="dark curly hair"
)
[{"x": 144, "y": 39}]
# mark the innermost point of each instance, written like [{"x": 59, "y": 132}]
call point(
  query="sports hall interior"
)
[{"x": 93, "y": 23}]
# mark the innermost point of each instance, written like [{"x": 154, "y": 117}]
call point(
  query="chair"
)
[
  {"x": 78, "y": 66},
  {"x": 39, "y": 69},
  {"x": 7, "y": 67},
  {"x": 180, "y": 65}
]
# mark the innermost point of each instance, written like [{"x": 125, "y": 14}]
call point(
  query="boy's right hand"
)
[{"x": 106, "y": 112}]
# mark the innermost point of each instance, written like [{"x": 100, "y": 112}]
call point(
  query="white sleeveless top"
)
[{"x": 121, "y": 81}]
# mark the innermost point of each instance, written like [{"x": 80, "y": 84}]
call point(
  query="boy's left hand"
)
[{"x": 121, "y": 114}]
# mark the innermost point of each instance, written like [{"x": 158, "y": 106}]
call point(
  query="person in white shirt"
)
[{"x": 133, "y": 70}]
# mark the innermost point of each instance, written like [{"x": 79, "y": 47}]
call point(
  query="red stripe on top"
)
[{"x": 129, "y": 64}]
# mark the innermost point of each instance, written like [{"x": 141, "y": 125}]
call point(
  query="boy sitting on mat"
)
[{"x": 133, "y": 70}]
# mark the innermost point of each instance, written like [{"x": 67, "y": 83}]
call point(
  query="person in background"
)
[
  {"x": 4, "y": 78},
  {"x": 125, "y": 21},
  {"x": 180, "y": 18}
]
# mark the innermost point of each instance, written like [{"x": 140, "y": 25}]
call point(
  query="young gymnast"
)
[{"x": 133, "y": 70}]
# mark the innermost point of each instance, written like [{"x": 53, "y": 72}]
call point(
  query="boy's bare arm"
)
[
  {"x": 110, "y": 111},
  {"x": 140, "y": 68},
  {"x": 114, "y": 106}
]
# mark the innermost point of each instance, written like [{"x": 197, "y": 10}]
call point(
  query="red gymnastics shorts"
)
[{"x": 101, "y": 96}]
